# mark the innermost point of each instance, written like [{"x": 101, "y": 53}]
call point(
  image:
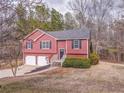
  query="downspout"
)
[{"x": 89, "y": 44}]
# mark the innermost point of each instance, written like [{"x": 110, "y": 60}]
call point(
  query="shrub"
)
[
  {"x": 68, "y": 62},
  {"x": 94, "y": 57},
  {"x": 77, "y": 63},
  {"x": 86, "y": 63}
]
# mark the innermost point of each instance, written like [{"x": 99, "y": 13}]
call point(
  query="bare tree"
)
[
  {"x": 14, "y": 55},
  {"x": 69, "y": 21},
  {"x": 118, "y": 27},
  {"x": 98, "y": 12},
  {"x": 9, "y": 43},
  {"x": 80, "y": 8}
]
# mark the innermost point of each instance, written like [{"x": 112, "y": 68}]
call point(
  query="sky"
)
[{"x": 60, "y": 5}]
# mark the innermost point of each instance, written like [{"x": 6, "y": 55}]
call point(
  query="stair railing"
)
[{"x": 63, "y": 59}]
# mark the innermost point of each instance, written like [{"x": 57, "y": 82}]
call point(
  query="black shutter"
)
[
  {"x": 31, "y": 44},
  {"x": 26, "y": 45},
  {"x": 40, "y": 45},
  {"x": 50, "y": 44},
  {"x": 80, "y": 43},
  {"x": 72, "y": 44}
]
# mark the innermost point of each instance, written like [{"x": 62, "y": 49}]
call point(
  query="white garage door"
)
[
  {"x": 42, "y": 61},
  {"x": 30, "y": 60}
]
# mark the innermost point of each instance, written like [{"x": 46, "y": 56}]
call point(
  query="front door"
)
[{"x": 62, "y": 52}]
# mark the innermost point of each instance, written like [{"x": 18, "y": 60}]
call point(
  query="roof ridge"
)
[{"x": 65, "y": 30}]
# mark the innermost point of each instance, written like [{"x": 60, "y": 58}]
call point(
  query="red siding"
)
[
  {"x": 35, "y": 35},
  {"x": 83, "y": 50},
  {"x": 55, "y": 46},
  {"x": 61, "y": 44},
  {"x": 36, "y": 45},
  {"x": 77, "y": 56}
]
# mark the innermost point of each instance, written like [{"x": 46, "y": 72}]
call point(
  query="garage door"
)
[
  {"x": 30, "y": 60},
  {"x": 42, "y": 61}
]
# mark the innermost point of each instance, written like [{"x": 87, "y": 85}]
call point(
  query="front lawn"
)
[{"x": 101, "y": 78}]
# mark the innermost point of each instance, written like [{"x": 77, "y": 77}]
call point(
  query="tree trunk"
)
[{"x": 118, "y": 56}]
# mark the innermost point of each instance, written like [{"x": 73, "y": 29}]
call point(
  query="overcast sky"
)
[{"x": 60, "y": 5}]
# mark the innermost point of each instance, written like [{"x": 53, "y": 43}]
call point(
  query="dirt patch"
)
[{"x": 60, "y": 71}]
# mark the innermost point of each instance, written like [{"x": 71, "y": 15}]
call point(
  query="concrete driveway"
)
[{"x": 21, "y": 71}]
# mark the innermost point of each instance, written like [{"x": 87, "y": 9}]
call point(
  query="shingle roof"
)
[{"x": 82, "y": 33}]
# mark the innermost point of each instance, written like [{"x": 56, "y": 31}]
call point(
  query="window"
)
[
  {"x": 76, "y": 44},
  {"x": 45, "y": 44},
  {"x": 29, "y": 45}
]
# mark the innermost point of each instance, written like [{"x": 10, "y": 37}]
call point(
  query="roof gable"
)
[{"x": 34, "y": 34}]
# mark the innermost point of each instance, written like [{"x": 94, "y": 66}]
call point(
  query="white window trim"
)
[
  {"x": 29, "y": 45},
  {"x": 46, "y": 41},
  {"x": 78, "y": 44}
]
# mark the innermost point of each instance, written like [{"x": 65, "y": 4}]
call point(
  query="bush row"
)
[
  {"x": 77, "y": 63},
  {"x": 81, "y": 62}
]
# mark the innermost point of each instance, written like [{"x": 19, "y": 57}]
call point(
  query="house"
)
[{"x": 41, "y": 47}]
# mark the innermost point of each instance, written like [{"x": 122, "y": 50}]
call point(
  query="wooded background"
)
[{"x": 104, "y": 18}]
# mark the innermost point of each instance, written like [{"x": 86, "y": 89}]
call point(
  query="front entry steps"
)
[{"x": 56, "y": 64}]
